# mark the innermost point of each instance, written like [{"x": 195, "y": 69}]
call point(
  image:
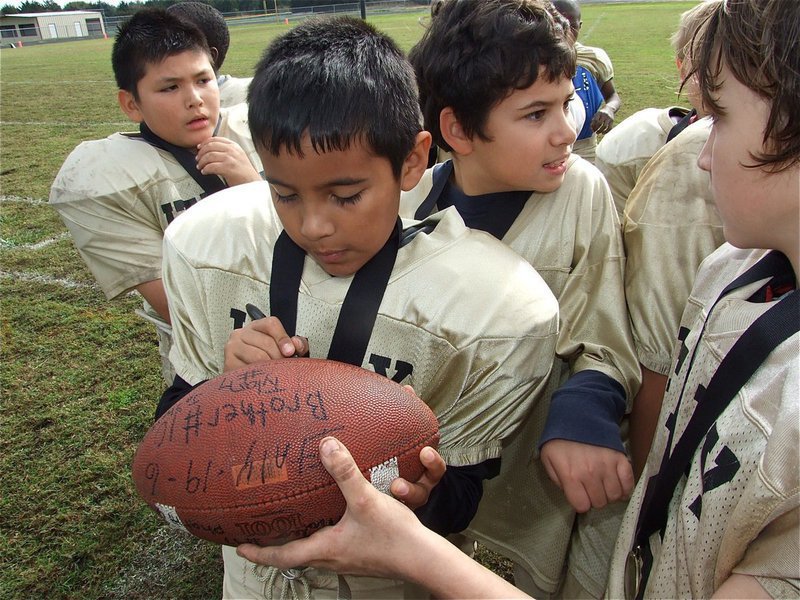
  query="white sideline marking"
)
[
  {"x": 39, "y": 278},
  {"x": 24, "y": 199},
  {"x": 66, "y": 123},
  {"x": 39, "y": 81},
  {"x": 37, "y": 245}
]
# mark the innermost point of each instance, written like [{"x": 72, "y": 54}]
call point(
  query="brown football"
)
[{"x": 237, "y": 459}]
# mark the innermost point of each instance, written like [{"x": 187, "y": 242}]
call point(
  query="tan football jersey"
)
[
  {"x": 670, "y": 225},
  {"x": 232, "y": 90},
  {"x": 464, "y": 320},
  {"x": 571, "y": 237},
  {"x": 623, "y": 152},
  {"x": 738, "y": 509},
  {"x": 117, "y": 196}
]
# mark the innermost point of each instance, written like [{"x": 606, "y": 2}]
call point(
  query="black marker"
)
[{"x": 254, "y": 312}]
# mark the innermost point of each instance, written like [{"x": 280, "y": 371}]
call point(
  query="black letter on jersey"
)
[
  {"x": 727, "y": 465},
  {"x": 238, "y": 317},
  {"x": 381, "y": 365}
]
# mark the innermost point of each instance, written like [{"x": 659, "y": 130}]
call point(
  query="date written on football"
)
[{"x": 259, "y": 466}]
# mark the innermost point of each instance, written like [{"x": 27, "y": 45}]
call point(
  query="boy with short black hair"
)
[
  {"x": 232, "y": 90},
  {"x": 495, "y": 81},
  {"x": 471, "y": 326},
  {"x": 117, "y": 195}
]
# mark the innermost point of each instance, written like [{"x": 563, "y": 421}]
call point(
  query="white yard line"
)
[
  {"x": 46, "y": 279},
  {"x": 23, "y": 199},
  {"x": 37, "y": 245}
]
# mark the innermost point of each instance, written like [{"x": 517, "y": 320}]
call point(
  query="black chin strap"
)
[
  {"x": 209, "y": 183},
  {"x": 361, "y": 303}
]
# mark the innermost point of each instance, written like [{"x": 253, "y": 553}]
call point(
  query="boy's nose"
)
[
  {"x": 565, "y": 133},
  {"x": 195, "y": 98},
  {"x": 704, "y": 158},
  {"x": 316, "y": 226}
]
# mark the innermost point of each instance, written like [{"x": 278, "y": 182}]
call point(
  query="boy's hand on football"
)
[
  {"x": 224, "y": 157},
  {"x": 590, "y": 476},
  {"x": 261, "y": 340}
]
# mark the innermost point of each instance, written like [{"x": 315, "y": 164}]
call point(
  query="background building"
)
[{"x": 34, "y": 27}]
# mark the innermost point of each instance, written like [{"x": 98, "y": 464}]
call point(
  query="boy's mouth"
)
[
  {"x": 198, "y": 123},
  {"x": 557, "y": 167}
]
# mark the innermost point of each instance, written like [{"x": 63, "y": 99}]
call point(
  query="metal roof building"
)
[{"x": 34, "y": 27}]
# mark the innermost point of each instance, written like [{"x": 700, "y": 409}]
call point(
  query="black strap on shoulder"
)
[
  {"x": 287, "y": 270},
  {"x": 767, "y": 332},
  {"x": 209, "y": 183},
  {"x": 361, "y": 303},
  {"x": 441, "y": 173},
  {"x": 687, "y": 119}
]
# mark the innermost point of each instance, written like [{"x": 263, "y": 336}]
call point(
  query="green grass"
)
[{"x": 80, "y": 376}]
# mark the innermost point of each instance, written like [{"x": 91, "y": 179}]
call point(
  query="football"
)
[{"x": 237, "y": 459}]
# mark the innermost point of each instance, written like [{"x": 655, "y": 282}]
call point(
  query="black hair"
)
[
  {"x": 337, "y": 80},
  {"x": 211, "y": 22},
  {"x": 148, "y": 37},
  {"x": 477, "y": 52}
]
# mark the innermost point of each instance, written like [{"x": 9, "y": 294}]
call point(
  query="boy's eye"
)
[
  {"x": 343, "y": 200},
  {"x": 536, "y": 115},
  {"x": 566, "y": 104},
  {"x": 283, "y": 198},
  {"x": 169, "y": 88}
]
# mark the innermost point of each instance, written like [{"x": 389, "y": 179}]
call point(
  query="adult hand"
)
[{"x": 376, "y": 536}]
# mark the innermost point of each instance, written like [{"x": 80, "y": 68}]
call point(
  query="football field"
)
[{"x": 80, "y": 375}]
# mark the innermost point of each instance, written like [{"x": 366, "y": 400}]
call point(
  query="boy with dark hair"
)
[
  {"x": 495, "y": 82},
  {"x": 334, "y": 114},
  {"x": 232, "y": 90},
  {"x": 729, "y": 525},
  {"x": 117, "y": 195}
]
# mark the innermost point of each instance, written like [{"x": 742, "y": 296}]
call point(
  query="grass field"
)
[{"x": 80, "y": 376}]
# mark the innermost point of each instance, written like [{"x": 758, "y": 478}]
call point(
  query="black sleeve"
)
[
  {"x": 454, "y": 501},
  {"x": 172, "y": 394}
]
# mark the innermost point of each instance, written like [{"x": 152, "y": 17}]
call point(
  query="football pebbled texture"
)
[{"x": 237, "y": 459}]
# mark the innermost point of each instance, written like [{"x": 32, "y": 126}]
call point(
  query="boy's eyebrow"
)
[
  {"x": 534, "y": 104},
  {"x": 199, "y": 73},
  {"x": 343, "y": 181}
]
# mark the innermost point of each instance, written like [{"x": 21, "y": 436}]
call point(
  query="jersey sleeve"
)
[
  {"x": 503, "y": 378},
  {"x": 114, "y": 227},
  {"x": 193, "y": 354},
  {"x": 594, "y": 326},
  {"x": 670, "y": 225},
  {"x": 597, "y": 61}
]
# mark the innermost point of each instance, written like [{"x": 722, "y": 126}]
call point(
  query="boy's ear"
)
[
  {"x": 453, "y": 132},
  {"x": 129, "y": 106},
  {"x": 416, "y": 162}
]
